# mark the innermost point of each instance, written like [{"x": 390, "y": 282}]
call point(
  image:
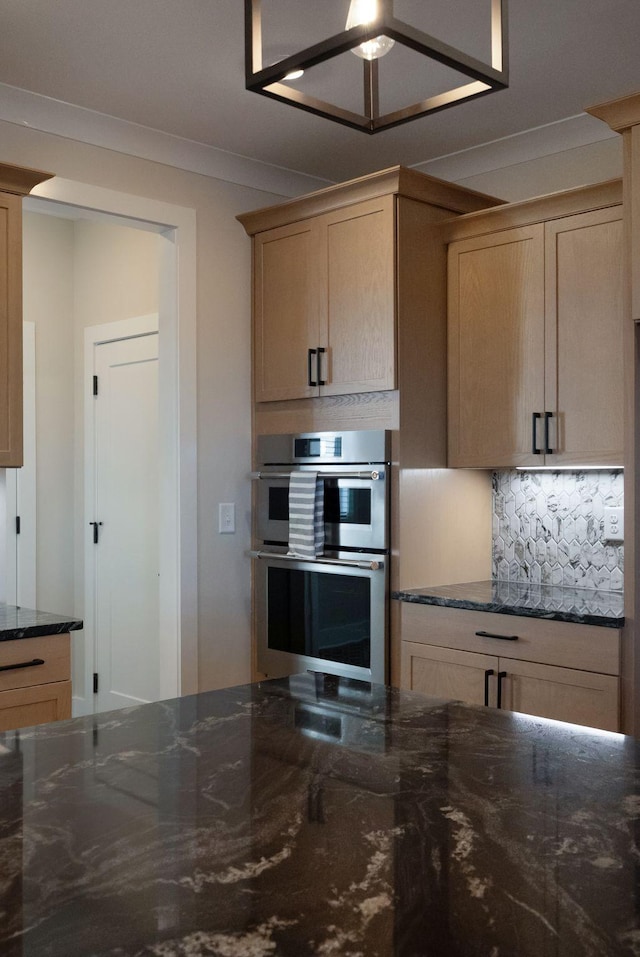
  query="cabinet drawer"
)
[
  {"x": 568, "y": 645},
  {"x": 53, "y": 651},
  {"x": 39, "y": 704}
]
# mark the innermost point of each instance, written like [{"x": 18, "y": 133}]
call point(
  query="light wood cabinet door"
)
[
  {"x": 360, "y": 296},
  {"x": 535, "y": 344},
  {"x": 10, "y": 330},
  {"x": 288, "y": 290},
  {"x": 496, "y": 347},
  {"x": 324, "y": 304},
  {"x": 563, "y": 694},
  {"x": 583, "y": 337},
  {"x": 446, "y": 673}
]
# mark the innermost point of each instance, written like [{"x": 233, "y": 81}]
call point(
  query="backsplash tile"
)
[{"x": 548, "y": 528}]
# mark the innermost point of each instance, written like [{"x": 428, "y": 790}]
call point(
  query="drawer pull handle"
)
[
  {"x": 491, "y": 634},
  {"x": 501, "y": 675},
  {"x": 22, "y": 664},
  {"x": 487, "y": 675}
]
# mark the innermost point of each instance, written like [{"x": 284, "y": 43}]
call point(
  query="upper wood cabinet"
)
[
  {"x": 15, "y": 182},
  {"x": 324, "y": 304},
  {"x": 535, "y": 339},
  {"x": 329, "y": 282}
]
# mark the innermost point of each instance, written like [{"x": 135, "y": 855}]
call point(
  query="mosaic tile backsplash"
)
[{"x": 548, "y": 528}]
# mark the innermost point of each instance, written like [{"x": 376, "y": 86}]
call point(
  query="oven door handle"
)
[
  {"x": 372, "y": 476},
  {"x": 374, "y": 566}
]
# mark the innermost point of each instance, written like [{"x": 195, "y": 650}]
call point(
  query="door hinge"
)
[
  {"x": 95, "y": 682},
  {"x": 95, "y": 385},
  {"x": 96, "y": 534},
  {"x": 17, "y": 524}
]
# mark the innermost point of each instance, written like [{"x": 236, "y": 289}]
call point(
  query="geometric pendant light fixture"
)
[{"x": 392, "y": 57}]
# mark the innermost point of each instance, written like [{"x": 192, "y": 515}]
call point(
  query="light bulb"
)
[{"x": 362, "y": 12}]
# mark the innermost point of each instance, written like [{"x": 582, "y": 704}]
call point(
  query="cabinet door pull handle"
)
[
  {"x": 23, "y": 664},
  {"x": 487, "y": 675},
  {"x": 547, "y": 449},
  {"x": 491, "y": 634},
  {"x": 501, "y": 675},
  {"x": 321, "y": 352},
  {"x": 310, "y": 354},
  {"x": 534, "y": 436}
]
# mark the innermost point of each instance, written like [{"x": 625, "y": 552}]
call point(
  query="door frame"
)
[
  {"x": 94, "y": 336},
  {"x": 21, "y": 491},
  {"x": 176, "y": 226}
]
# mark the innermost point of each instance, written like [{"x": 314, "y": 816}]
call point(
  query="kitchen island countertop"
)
[
  {"x": 553, "y": 602},
  {"x": 17, "y": 622},
  {"x": 318, "y": 816}
]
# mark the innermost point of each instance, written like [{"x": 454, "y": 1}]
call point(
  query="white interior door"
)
[{"x": 126, "y": 508}]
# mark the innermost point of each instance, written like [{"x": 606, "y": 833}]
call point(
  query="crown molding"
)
[
  {"x": 620, "y": 114},
  {"x": 572, "y": 132},
  {"x": 47, "y": 115}
]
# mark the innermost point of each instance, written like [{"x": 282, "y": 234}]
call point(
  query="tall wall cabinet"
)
[
  {"x": 15, "y": 182},
  {"x": 349, "y": 332},
  {"x": 535, "y": 333}
]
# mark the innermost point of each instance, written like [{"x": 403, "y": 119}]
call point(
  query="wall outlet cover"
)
[{"x": 614, "y": 524}]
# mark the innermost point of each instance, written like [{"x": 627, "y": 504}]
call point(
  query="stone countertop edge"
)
[
  {"x": 17, "y": 622},
  {"x": 438, "y": 596}
]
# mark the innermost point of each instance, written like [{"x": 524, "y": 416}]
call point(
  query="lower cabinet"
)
[
  {"x": 35, "y": 681},
  {"x": 568, "y": 672}
]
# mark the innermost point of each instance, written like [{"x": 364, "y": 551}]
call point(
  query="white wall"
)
[
  {"x": 48, "y": 302},
  {"x": 116, "y": 276}
]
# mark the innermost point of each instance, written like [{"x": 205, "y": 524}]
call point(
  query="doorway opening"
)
[{"x": 173, "y": 229}]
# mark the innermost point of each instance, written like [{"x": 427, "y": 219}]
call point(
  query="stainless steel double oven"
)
[{"x": 330, "y": 613}]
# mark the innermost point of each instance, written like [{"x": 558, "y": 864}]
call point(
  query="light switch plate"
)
[
  {"x": 614, "y": 524},
  {"x": 226, "y": 518}
]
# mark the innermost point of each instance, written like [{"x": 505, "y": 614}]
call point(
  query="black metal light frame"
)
[{"x": 485, "y": 78}]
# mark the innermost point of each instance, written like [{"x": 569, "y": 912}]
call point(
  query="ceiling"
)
[{"x": 178, "y": 66}]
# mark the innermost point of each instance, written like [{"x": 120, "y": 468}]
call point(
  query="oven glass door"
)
[
  {"x": 354, "y": 512},
  {"x": 319, "y": 617}
]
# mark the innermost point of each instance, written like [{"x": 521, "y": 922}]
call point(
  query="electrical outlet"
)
[
  {"x": 614, "y": 524},
  {"x": 226, "y": 518}
]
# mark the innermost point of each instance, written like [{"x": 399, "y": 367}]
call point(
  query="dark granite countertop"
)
[
  {"x": 16, "y": 622},
  {"x": 318, "y": 816},
  {"x": 581, "y": 605}
]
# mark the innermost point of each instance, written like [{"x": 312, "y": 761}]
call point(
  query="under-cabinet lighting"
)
[
  {"x": 567, "y": 468},
  {"x": 519, "y": 717}
]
